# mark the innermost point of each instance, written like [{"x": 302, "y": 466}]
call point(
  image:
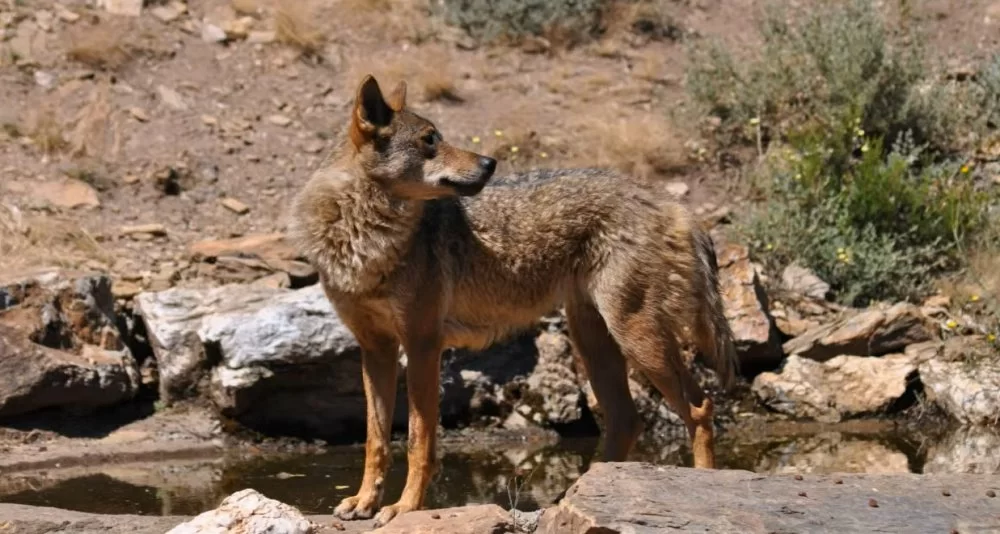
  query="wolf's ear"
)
[
  {"x": 370, "y": 110},
  {"x": 397, "y": 99}
]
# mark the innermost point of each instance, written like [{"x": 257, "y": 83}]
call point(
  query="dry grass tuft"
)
[
  {"x": 643, "y": 147},
  {"x": 101, "y": 46},
  {"x": 366, "y": 6},
  {"x": 428, "y": 73},
  {"x": 29, "y": 242},
  {"x": 94, "y": 133},
  {"x": 45, "y": 129},
  {"x": 295, "y": 25}
]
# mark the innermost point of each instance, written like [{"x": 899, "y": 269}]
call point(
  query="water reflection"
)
[{"x": 315, "y": 483}]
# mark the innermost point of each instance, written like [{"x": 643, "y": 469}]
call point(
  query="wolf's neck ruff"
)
[{"x": 352, "y": 230}]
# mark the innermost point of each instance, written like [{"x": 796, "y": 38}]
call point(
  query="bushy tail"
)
[{"x": 713, "y": 335}]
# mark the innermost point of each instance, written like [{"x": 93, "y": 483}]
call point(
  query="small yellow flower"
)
[
  {"x": 840, "y": 250},
  {"x": 769, "y": 246},
  {"x": 857, "y": 120},
  {"x": 498, "y": 133},
  {"x": 860, "y": 132},
  {"x": 865, "y": 147},
  {"x": 951, "y": 324},
  {"x": 476, "y": 139},
  {"x": 543, "y": 155},
  {"x": 754, "y": 121},
  {"x": 974, "y": 298},
  {"x": 965, "y": 169},
  {"x": 991, "y": 338},
  {"x": 514, "y": 149},
  {"x": 798, "y": 176}
]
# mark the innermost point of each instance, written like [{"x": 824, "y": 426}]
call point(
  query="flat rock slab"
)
[
  {"x": 473, "y": 519},
  {"x": 641, "y": 498}
]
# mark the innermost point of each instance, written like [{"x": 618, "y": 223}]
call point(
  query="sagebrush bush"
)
[
  {"x": 875, "y": 227},
  {"x": 817, "y": 70},
  {"x": 865, "y": 189},
  {"x": 492, "y": 19}
]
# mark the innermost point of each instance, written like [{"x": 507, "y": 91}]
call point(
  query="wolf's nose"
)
[{"x": 487, "y": 164}]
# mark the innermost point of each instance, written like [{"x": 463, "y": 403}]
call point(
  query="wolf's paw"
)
[
  {"x": 387, "y": 513},
  {"x": 356, "y": 507}
]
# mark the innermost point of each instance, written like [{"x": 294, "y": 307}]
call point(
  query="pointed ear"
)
[
  {"x": 397, "y": 99},
  {"x": 370, "y": 109}
]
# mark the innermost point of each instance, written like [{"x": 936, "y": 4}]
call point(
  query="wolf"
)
[{"x": 417, "y": 248}]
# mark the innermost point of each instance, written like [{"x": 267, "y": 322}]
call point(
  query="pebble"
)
[
  {"x": 66, "y": 15},
  {"x": 169, "y": 12},
  {"x": 210, "y": 33},
  {"x": 171, "y": 98},
  {"x": 279, "y": 120},
  {"x": 313, "y": 147},
  {"x": 44, "y": 79},
  {"x": 153, "y": 229},
  {"x": 125, "y": 290},
  {"x": 262, "y": 37},
  {"x": 139, "y": 114},
  {"x": 235, "y": 206}
]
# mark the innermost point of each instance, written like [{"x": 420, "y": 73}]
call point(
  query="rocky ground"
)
[{"x": 151, "y": 308}]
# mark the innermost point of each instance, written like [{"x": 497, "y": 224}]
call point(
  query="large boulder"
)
[
  {"x": 248, "y": 512},
  {"x": 60, "y": 345},
  {"x": 275, "y": 359},
  {"x": 639, "y": 498},
  {"x": 870, "y": 332},
  {"x": 838, "y": 388},
  {"x": 35, "y": 377},
  {"x": 746, "y": 307},
  {"x": 964, "y": 380}
]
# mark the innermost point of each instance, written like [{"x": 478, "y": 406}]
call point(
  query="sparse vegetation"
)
[
  {"x": 818, "y": 70},
  {"x": 101, "y": 46},
  {"x": 860, "y": 177},
  {"x": 46, "y": 130},
  {"x": 644, "y": 148},
  {"x": 491, "y": 20},
  {"x": 29, "y": 241},
  {"x": 295, "y": 25}
]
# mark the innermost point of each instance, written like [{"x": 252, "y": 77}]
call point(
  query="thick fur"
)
[{"x": 415, "y": 250}]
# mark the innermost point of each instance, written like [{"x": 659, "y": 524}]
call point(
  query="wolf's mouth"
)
[{"x": 465, "y": 189}]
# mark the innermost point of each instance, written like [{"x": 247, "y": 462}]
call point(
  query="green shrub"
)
[
  {"x": 874, "y": 227},
  {"x": 815, "y": 71},
  {"x": 492, "y": 19}
]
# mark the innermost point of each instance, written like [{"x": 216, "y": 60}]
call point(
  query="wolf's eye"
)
[{"x": 430, "y": 139}]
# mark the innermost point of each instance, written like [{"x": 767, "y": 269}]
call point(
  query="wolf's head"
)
[{"x": 406, "y": 153}]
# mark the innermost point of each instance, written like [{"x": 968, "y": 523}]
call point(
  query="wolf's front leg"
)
[
  {"x": 379, "y": 361},
  {"x": 422, "y": 382}
]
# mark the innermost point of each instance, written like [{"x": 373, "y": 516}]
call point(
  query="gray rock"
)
[
  {"x": 641, "y": 498},
  {"x": 798, "y": 279},
  {"x": 34, "y": 377},
  {"x": 275, "y": 359},
  {"x": 964, "y": 380},
  {"x": 870, "y": 332},
  {"x": 840, "y": 387},
  {"x": 248, "y": 512}
]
